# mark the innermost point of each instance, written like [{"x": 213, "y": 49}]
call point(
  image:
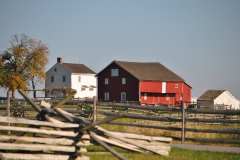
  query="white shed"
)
[
  {"x": 70, "y": 75},
  {"x": 214, "y": 97}
]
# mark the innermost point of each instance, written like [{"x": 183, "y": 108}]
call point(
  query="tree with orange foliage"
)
[{"x": 23, "y": 61}]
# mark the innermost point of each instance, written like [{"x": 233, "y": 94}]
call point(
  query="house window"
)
[
  {"x": 123, "y": 80},
  {"x": 176, "y": 85},
  {"x": 145, "y": 96},
  {"x": 106, "y": 96},
  {"x": 55, "y": 69},
  {"x": 167, "y": 97},
  {"x": 64, "y": 78},
  {"x": 79, "y": 78},
  {"x": 52, "y": 78},
  {"x": 123, "y": 96},
  {"x": 106, "y": 80},
  {"x": 51, "y": 92},
  {"x": 114, "y": 72},
  {"x": 84, "y": 87},
  {"x": 91, "y": 87}
]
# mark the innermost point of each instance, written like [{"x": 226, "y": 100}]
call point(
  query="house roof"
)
[
  {"x": 153, "y": 71},
  {"x": 77, "y": 68},
  {"x": 210, "y": 95}
]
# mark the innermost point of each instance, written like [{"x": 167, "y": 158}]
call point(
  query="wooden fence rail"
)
[
  {"x": 71, "y": 138},
  {"x": 189, "y": 110},
  {"x": 183, "y": 119},
  {"x": 53, "y": 101},
  {"x": 190, "y": 115}
]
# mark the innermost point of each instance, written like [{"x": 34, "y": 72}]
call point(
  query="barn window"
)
[
  {"x": 123, "y": 96},
  {"x": 55, "y": 69},
  {"x": 106, "y": 80},
  {"x": 123, "y": 80},
  {"x": 106, "y": 96},
  {"x": 176, "y": 85},
  {"x": 79, "y": 78},
  {"x": 145, "y": 96},
  {"x": 114, "y": 72},
  {"x": 64, "y": 78},
  {"x": 52, "y": 78},
  {"x": 167, "y": 97}
]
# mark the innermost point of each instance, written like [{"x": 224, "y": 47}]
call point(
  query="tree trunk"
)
[
  {"x": 13, "y": 93},
  {"x": 33, "y": 85},
  {"x": 8, "y": 108}
]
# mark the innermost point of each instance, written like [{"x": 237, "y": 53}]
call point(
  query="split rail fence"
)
[
  {"x": 182, "y": 114},
  {"x": 68, "y": 140}
]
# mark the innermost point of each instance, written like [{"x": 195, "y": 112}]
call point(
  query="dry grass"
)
[{"x": 160, "y": 132}]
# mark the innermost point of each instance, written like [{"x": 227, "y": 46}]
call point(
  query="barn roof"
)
[
  {"x": 77, "y": 68},
  {"x": 210, "y": 95},
  {"x": 153, "y": 71}
]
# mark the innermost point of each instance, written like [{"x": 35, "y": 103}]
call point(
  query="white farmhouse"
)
[
  {"x": 70, "y": 75},
  {"x": 214, "y": 97}
]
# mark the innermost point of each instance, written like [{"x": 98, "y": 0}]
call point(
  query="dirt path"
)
[{"x": 208, "y": 148}]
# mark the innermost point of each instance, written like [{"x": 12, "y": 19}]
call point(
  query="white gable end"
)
[
  {"x": 57, "y": 72},
  {"x": 227, "y": 99}
]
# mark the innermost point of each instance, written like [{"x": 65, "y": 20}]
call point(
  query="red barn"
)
[{"x": 144, "y": 82}]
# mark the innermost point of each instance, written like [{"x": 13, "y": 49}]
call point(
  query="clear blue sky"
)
[{"x": 198, "y": 40}]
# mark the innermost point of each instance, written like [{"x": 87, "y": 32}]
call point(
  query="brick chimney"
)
[{"x": 59, "y": 60}]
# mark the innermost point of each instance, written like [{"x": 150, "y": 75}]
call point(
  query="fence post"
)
[
  {"x": 8, "y": 108},
  {"x": 183, "y": 121},
  {"x": 170, "y": 115},
  {"x": 94, "y": 109}
]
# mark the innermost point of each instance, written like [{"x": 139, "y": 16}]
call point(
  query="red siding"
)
[
  {"x": 153, "y": 87},
  {"x": 187, "y": 94},
  {"x": 156, "y": 87},
  {"x": 158, "y": 98},
  {"x": 115, "y": 86},
  {"x": 155, "y": 95}
]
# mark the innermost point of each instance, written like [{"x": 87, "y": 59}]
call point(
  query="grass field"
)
[{"x": 160, "y": 132}]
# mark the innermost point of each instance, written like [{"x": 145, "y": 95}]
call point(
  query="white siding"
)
[
  {"x": 193, "y": 99},
  {"x": 238, "y": 104},
  {"x": 227, "y": 99},
  {"x": 87, "y": 80},
  {"x": 163, "y": 87}
]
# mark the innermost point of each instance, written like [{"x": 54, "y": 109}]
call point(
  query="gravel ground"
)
[{"x": 208, "y": 148}]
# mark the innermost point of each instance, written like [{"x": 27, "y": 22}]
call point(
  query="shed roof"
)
[
  {"x": 153, "y": 71},
  {"x": 210, "y": 95},
  {"x": 77, "y": 68}
]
